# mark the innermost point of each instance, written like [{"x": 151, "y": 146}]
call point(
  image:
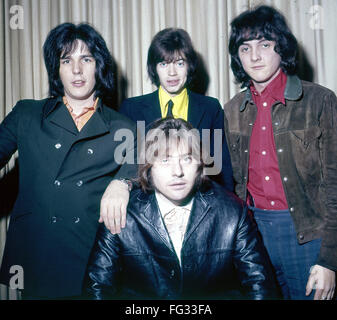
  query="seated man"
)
[{"x": 185, "y": 237}]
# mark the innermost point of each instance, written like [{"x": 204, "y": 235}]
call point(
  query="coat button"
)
[
  {"x": 53, "y": 219},
  {"x": 57, "y": 183},
  {"x": 58, "y": 145},
  {"x": 172, "y": 274},
  {"x": 76, "y": 219},
  {"x": 79, "y": 183},
  {"x": 300, "y": 236},
  {"x": 90, "y": 151}
]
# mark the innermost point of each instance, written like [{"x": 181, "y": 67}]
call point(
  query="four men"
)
[{"x": 180, "y": 227}]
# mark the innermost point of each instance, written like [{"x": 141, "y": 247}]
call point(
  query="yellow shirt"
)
[{"x": 180, "y": 103}]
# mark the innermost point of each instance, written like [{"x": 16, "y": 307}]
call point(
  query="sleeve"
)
[
  {"x": 129, "y": 165},
  {"x": 101, "y": 279},
  {"x": 9, "y": 136},
  {"x": 328, "y": 123},
  {"x": 252, "y": 262},
  {"x": 125, "y": 109},
  {"x": 226, "y": 170}
]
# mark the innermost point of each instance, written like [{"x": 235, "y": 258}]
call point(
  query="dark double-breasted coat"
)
[
  {"x": 203, "y": 113},
  {"x": 62, "y": 176}
]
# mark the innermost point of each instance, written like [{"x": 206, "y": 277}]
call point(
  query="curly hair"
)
[
  {"x": 262, "y": 22},
  {"x": 63, "y": 40}
]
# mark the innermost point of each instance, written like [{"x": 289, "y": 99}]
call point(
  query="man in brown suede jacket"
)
[{"x": 282, "y": 138}]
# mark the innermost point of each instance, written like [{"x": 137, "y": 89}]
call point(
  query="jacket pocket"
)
[
  {"x": 307, "y": 136},
  {"x": 18, "y": 216},
  {"x": 306, "y": 154}
]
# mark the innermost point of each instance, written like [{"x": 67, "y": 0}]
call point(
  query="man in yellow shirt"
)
[{"x": 171, "y": 65}]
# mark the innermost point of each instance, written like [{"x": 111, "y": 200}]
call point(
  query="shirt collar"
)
[
  {"x": 293, "y": 91},
  {"x": 85, "y": 109},
  {"x": 54, "y": 102},
  {"x": 165, "y": 206},
  {"x": 275, "y": 89},
  {"x": 164, "y": 97}
]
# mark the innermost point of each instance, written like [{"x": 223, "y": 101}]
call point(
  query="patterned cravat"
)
[
  {"x": 169, "y": 109},
  {"x": 176, "y": 222}
]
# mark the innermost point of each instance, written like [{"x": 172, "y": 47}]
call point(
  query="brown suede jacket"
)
[{"x": 305, "y": 134}]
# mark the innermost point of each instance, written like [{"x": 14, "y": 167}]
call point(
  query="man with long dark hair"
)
[
  {"x": 185, "y": 237},
  {"x": 67, "y": 159},
  {"x": 171, "y": 65},
  {"x": 283, "y": 142}
]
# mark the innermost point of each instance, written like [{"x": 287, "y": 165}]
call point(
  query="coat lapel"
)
[
  {"x": 60, "y": 116},
  {"x": 199, "y": 210},
  {"x": 154, "y": 219},
  {"x": 94, "y": 127},
  {"x": 151, "y": 108},
  {"x": 195, "y": 109}
]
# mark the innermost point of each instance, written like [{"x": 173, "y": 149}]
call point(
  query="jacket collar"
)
[
  {"x": 61, "y": 117},
  {"x": 293, "y": 91},
  {"x": 201, "y": 205},
  {"x": 195, "y": 109},
  {"x": 152, "y": 110}
]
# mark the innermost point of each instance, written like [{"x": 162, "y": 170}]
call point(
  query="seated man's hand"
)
[{"x": 113, "y": 206}]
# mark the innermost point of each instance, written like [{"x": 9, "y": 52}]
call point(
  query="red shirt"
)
[{"x": 264, "y": 179}]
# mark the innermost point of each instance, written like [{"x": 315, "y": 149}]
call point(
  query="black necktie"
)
[{"x": 169, "y": 109}]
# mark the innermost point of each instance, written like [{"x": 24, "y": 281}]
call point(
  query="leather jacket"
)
[
  {"x": 220, "y": 249},
  {"x": 305, "y": 135}
]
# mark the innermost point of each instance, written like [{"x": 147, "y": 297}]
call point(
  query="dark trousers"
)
[{"x": 291, "y": 260}]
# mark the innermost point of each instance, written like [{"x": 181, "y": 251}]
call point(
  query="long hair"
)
[
  {"x": 165, "y": 46},
  {"x": 163, "y": 134},
  {"x": 63, "y": 40},
  {"x": 262, "y": 22}
]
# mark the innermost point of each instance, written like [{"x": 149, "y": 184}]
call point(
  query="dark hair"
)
[
  {"x": 158, "y": 138},
  {"x": 262, "y": 22},
  {"x": 164, "y": 47},
  {"x": 63, "y": 40}
]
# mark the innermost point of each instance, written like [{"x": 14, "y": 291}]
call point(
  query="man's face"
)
[
  {"x": 173, "y": 75},
  {"x": 77, "y": 73},
  {"x": 174, "y": 173},
  {"x": 260, "y": 61}
]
